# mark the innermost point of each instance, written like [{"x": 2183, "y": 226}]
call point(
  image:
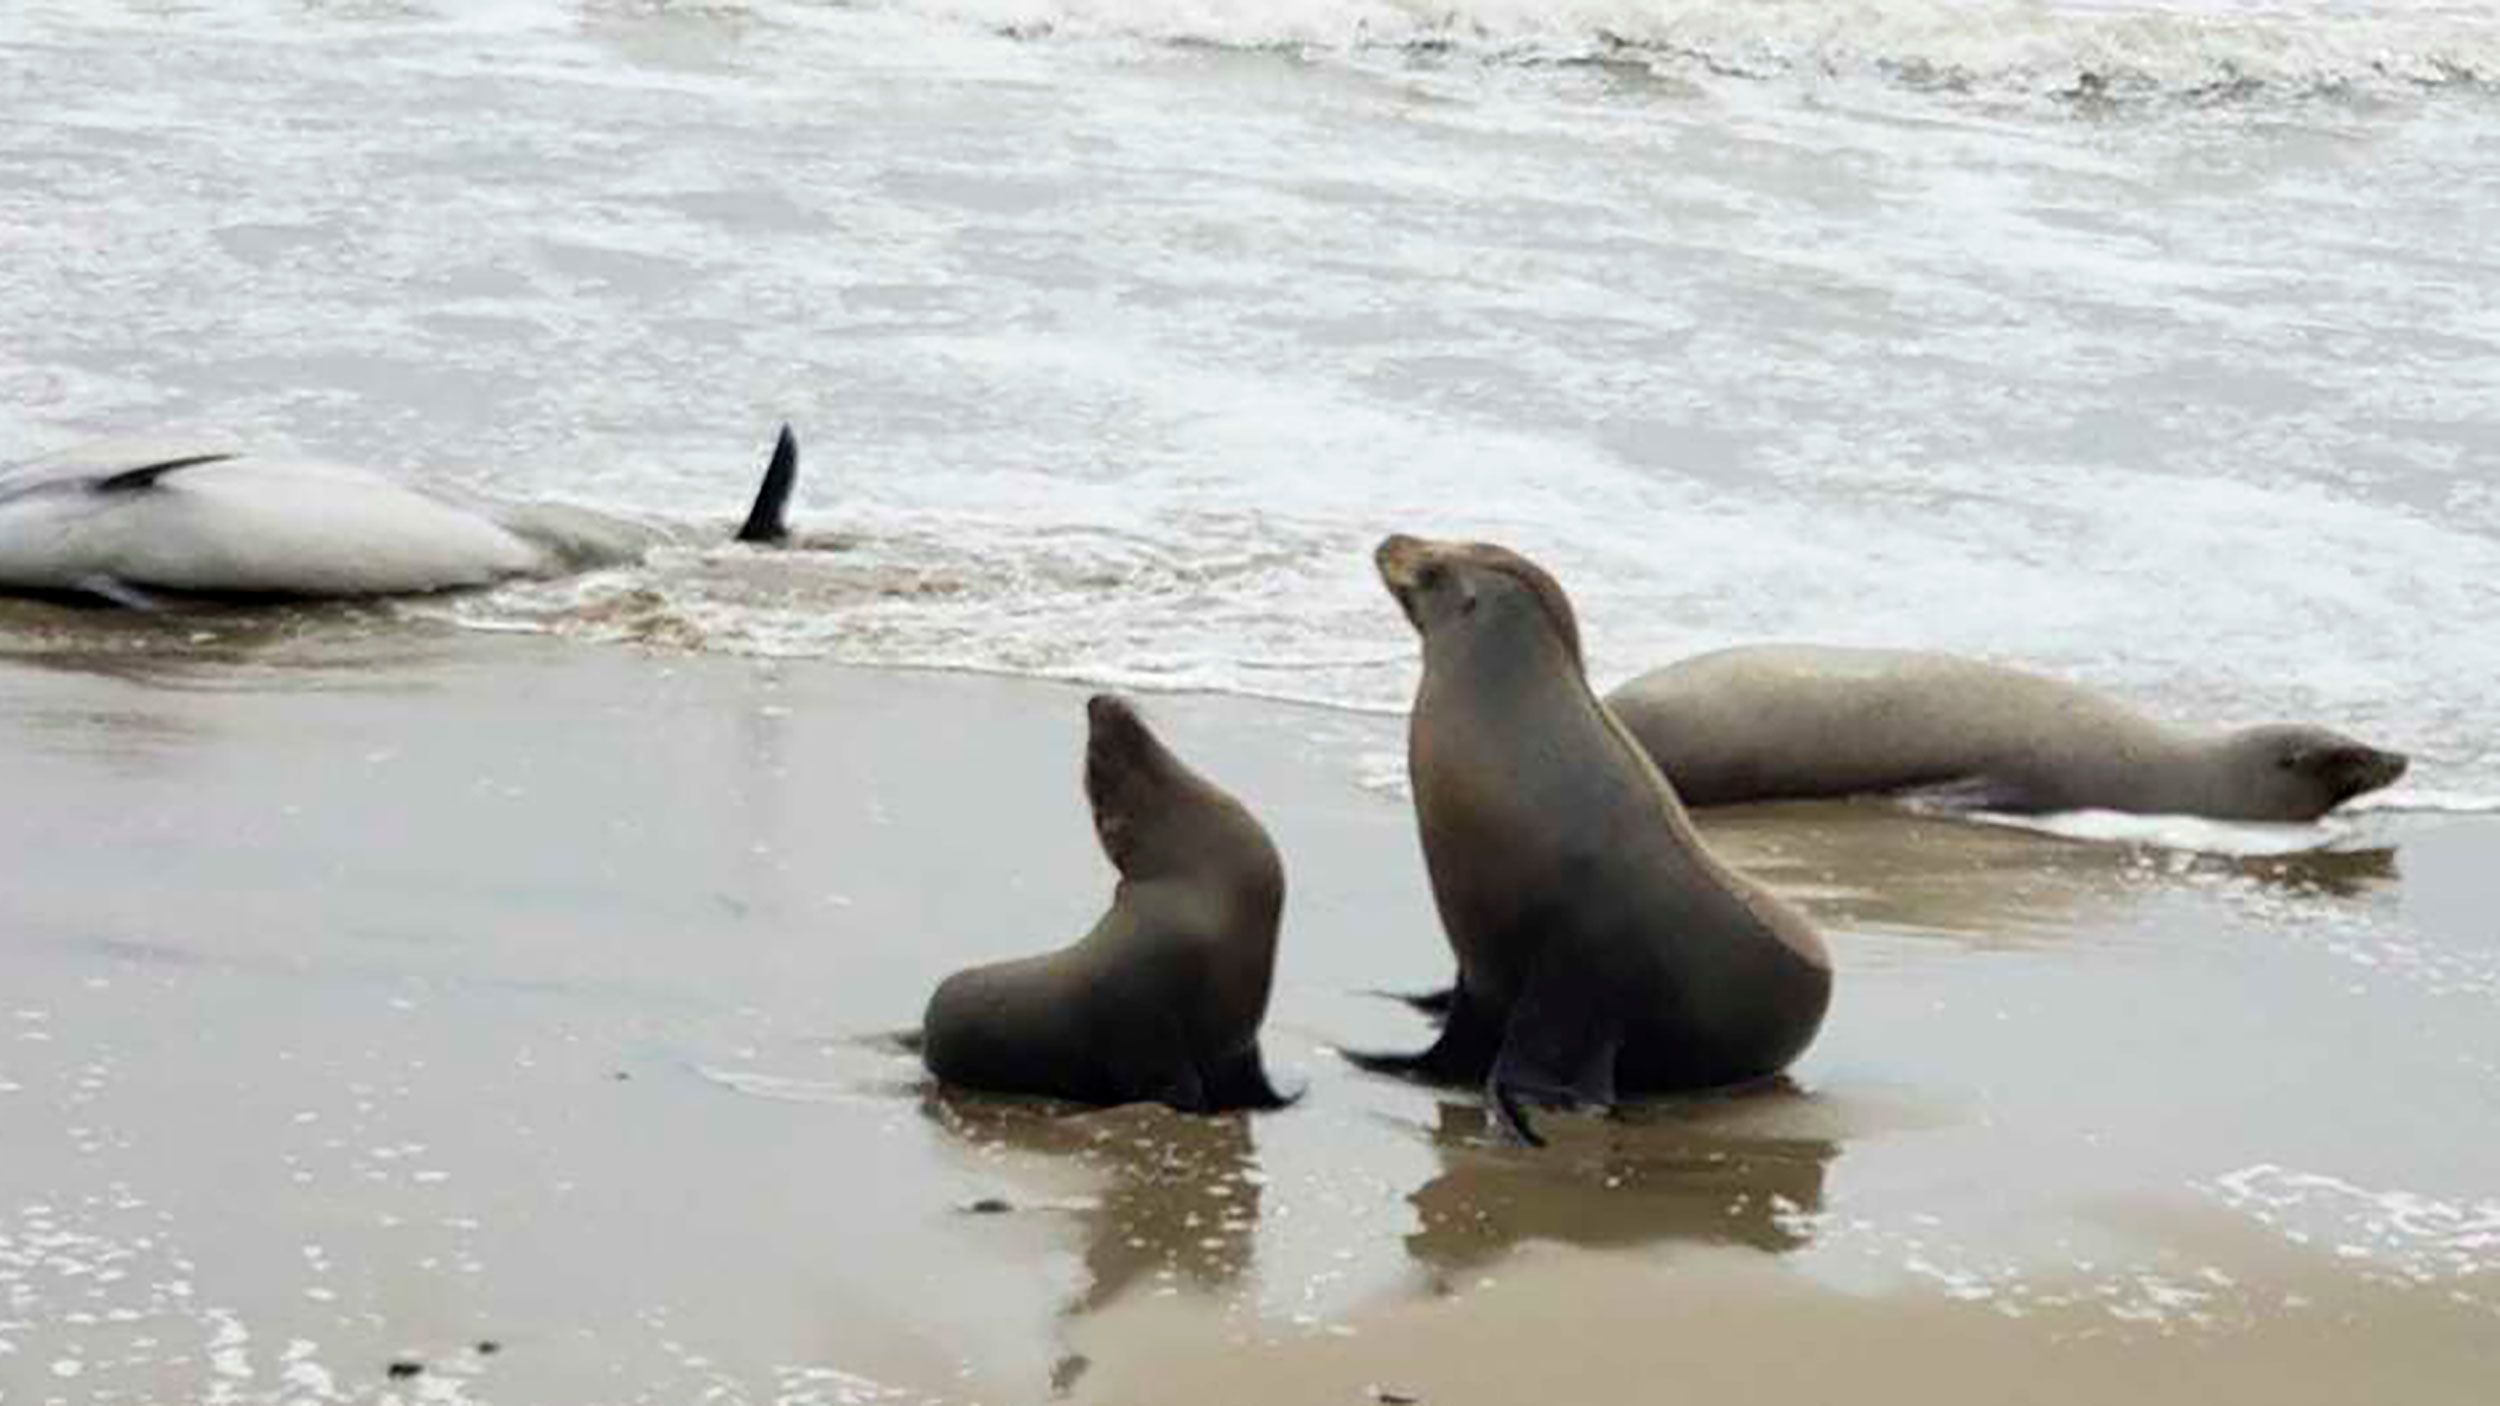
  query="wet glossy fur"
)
[
  {"x": 1162, "y": 1000},
  {"x": 1602, "y": 950},
  {"x": 1775, "y": 722}
]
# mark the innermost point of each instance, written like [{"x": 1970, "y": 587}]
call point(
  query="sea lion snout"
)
[
  {"x": 1411, "y": 568},
  {"x": 2319, "y": 768},
  {"x": 1109, "y": 711},
  {"x": 1401, "y": 562},
  {"x": 1117, "y": 745},
  {"x": 2358, "y": 770}
]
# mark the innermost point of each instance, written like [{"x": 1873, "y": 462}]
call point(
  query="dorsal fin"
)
[
  {"x": 765, "y": 520},
  {"x": 146, "y": 475}
]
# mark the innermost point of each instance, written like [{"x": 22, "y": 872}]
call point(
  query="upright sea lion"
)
[
  {"x": 1601, "y": 949},
  {"x": 1163, "y": 999},
  {"x": 127, "y": 524},
  {"x": 1781, "y": 722}
]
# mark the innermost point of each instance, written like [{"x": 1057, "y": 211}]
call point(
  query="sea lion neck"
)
[{"x": 1153, "y": 815}]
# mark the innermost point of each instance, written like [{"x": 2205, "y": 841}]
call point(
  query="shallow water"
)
[
  {"x": 2143, "y": 343},
  {"x": 369, "y": 1001}
]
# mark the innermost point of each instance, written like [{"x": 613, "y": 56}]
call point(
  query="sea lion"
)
[
  {"x": 1784, "y": 722},
  {"x": 1601, "y": 949},
  {"x": 129, "y": 524},
  {"x": 1162, "y": 1000}
]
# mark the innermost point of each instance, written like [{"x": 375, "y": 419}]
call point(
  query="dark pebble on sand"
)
[
  {"x": 1387, "y": 1397},
  {"x": 488, "y": 1347},
  {"x": 403, "y": 1369},
  {"x": 990, "y": 1206}
]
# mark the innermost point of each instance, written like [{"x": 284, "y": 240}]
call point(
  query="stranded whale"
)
[{"x": 126, "y": 523}]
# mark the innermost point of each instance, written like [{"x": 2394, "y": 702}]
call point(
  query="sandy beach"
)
[{"x": 395, "y": 1013}]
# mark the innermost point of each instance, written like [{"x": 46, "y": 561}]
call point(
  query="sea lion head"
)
[
  {"x": 2295, "y": 771},
  {"x": 1450, "y": 588},
  {"x": 1152, "y": 813}
]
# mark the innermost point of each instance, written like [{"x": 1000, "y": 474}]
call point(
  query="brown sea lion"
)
[
  {"x": 1601, "y": 949},
  {"x": 1162, "y": 1000},
  {"x": 1786, "y": 722}
]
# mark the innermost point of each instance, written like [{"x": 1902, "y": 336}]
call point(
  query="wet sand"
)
[{"x": 509, "y": 1012}]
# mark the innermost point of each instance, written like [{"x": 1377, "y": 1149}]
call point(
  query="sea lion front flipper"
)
[
  {"x": 1239, "y": 1080},
  {"x": 1179, "y": 1088},
  {"x": 1558, "y": 1048},
  {"x": 1147, "y": 1058},
  {"x": 1976, "y": 792},
  {"x": 1470, "y": 1039}
]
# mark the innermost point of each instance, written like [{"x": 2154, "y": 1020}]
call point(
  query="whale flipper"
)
[
  {"x": 112, "y": 590},
  {"x": 766, "y": 520},
  {"x": 1434, "y": 1005},
  {"x": 146, "y": 475}
]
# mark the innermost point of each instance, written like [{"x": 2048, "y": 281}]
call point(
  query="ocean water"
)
[{"x": 2153, "y": 344}]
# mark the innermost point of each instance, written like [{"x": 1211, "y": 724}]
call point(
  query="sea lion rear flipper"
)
[
  {"x": 1463, "y": 1055},
  {"x": 1558, "y": 1048},
  {"x": 1239, "y": 1080}
]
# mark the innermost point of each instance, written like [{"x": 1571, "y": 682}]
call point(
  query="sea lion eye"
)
[{"x": 1431, "y": 577}]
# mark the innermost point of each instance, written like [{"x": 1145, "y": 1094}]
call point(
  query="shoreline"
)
[{"x": 374, "y": 997}]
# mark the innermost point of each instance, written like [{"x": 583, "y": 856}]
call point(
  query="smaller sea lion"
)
[
  {"x": 1789, "y": 722},
  {"x": 1602, "y": 949},
  {"x": 1162, "y": 1000}
]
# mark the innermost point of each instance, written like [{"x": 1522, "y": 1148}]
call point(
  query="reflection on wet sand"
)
[
  {"x": 1871, "y": 864},
  {"x": 2330, "y": 873},
  {"x": 211, "y": 647},
  {"x": 167, "y": 656},
  {"x": 2236, "y": 1316},
  {"x": 1707, "y": 1171},
  {"x": 1179, "y": 1194}
]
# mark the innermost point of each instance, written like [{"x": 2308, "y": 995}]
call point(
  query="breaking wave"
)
[{"x": 2218, "y": 49}]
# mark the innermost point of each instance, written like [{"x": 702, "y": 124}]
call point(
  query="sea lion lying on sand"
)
[{"x": 1780, "y": 722}]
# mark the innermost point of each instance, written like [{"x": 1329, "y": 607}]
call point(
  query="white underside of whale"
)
[{"x": 260, "y": 524}]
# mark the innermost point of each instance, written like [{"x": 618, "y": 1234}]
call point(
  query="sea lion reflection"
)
[
  {"x": 1180, "y": 1194},
  {"x": 1614, "y": 1183}
]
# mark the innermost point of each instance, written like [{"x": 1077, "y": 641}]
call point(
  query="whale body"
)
[{"x": 124, "y": 522}]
